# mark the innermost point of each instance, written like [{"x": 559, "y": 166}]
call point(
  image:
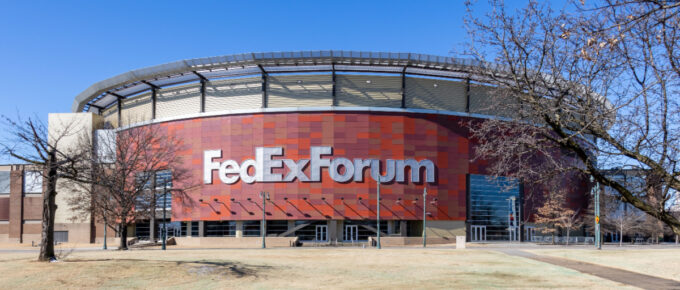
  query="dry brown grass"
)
[{"x": 290, "y": 268}]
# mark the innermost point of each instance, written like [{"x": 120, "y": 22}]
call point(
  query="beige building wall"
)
[
  {"x": 72, "y": 127},
  {"x": 136, "y": 109},
  {"x": 110, "y": 116}
]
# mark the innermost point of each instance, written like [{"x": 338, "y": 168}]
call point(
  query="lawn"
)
[
  {"x": 664, "y": 263},
  {"x": 300, "y": 268}
]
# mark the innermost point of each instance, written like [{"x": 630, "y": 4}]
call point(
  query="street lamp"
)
[
  {"x": 265, "y": 197},
  {"x": 595, "y": 191},
  {"x": 424, "y": 217},
  {"x": 379, "y": 246},
  {"x": 165, "y": 223}
]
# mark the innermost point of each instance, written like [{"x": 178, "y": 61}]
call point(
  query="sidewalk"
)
[{"x": 613, "y": 274}]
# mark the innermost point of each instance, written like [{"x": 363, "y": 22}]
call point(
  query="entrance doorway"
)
[
  {"x": 351, "y": 233},
  {"x": 321, "y": 233},
  {"x": 478, "y": 233},
  {"x": 529, "y": 233}
]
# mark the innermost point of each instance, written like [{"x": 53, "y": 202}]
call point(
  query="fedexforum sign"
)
[{"x": 230, "y": 171}]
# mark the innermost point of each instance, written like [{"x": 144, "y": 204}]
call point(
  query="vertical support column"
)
[
  {"x": 402, "y": 228},
  {"x": 154, "y": 93},
  {"x": 203, "y": 81},
  {"x": 16, "y": 204},
  {"x": 334, "y": 101},
  {"x": 291, "y": 225},
  {"x": 403, "y": 88},
  {"x": 152, "y": 226},
  {"x": 332, "y": 231},
  {"x": 467, "y": 95},
  {"x": 201, "y": 228},
  {"x": 120, "y": 110},
  {"x": 239, "y": 229},
  {"x": 152, "y": 220},
  {"x": 390, "y": 228},
  {"x": 264, "y": 86},
  {"x": 339, "y": 233}
]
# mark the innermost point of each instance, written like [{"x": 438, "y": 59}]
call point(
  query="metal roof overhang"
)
[{"x": 104, "y": 93}]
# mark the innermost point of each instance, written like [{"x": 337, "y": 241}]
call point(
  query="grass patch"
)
[{"x": 291, "y": 268}]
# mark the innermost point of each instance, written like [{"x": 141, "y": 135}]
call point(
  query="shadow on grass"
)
[{"x": 200, "y": 267}]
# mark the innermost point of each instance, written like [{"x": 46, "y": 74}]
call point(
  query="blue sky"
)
[{"x": 52, "y": 50}]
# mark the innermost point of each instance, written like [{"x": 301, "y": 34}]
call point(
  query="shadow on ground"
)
[{"x": 199, "y": 267}]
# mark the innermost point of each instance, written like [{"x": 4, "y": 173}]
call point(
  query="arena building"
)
[{"x": 316, "y": 131}]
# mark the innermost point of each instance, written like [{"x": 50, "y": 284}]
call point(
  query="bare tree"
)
[
  {"x": 581, "y": 92},
  {"x": 120, "y": 186},
  {"x": 621, "y": 219},
  {"x": 556, "y": 214},
  {"x": 31, "y": 142}
]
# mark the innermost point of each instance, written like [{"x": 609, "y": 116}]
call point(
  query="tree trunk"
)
[
  {"x": 568, "y": 232},
  {"x": 123, "y": 237},
  {"x": 48, "y": 212}
]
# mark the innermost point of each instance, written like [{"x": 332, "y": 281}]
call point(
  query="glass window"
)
[
  {"x": 276, "y": 227},
  {"x": 308, "y": 233},
  {"x": 220, "y": 228},
  {"x": 251, "y": 228},
  {"x": 33, "y": 182},
  {"x": 163, "y": 176},
  {"x": 4, "y": 182},
  {"x": 194, "y": 229},
  {"x": 494, "y": 203}
]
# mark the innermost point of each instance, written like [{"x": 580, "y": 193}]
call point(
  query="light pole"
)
[
  {"x": 379, "y": 246},
  {"x": 424, "y": 217},
  {"x": 165, "y": 223},
  {"x": 596, "y": 194},
  {"x": 265, "y": 197}
]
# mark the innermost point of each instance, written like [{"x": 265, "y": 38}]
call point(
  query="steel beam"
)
[
  {"x": 154, "y": 93},
  {"x": 334, "y": 101},
  {"x": 264, "y": 86},
  {"x": 467, "y": 95},
  {"x": 204, "y": 80},
  {"x": 403, "y": 87},
  {"x": 151, "y": 85}
]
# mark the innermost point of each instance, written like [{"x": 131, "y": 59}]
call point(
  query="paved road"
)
[{"x": 618, "y": 275}]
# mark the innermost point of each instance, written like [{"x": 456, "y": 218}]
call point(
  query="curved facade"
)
[{"x": 316, "y": 130}]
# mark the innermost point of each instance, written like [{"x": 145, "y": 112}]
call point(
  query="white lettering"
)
[
  {"x": 209, "y": 165},
  {"x": 352, "y": 170}
]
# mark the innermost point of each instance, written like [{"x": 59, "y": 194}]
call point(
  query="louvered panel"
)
[
  {"x": 233, "y": 94},
  {"x": 178, "y": 101},
  {"x": 136, "y": 109},
  {"x": 300, "y": 91},
  {"x": 435, "y": 94},
  {"x": 483, "y": 101},
  {"x": 368, "y": 91}
]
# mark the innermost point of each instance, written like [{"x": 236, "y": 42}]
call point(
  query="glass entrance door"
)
[
  {"x": 351, "y": 233},
  {"x": 529, "y": 234},
  {"x": 478, "y": 233},
  {"x": 321, "y": 233}
]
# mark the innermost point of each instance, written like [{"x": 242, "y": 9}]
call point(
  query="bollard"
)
[{"x": 460, "y": 242}]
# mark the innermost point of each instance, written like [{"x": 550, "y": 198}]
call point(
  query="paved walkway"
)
[{"x": 617, "y": 275}]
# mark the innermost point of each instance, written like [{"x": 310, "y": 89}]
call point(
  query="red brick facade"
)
[{"x": 441, "y": 139}]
